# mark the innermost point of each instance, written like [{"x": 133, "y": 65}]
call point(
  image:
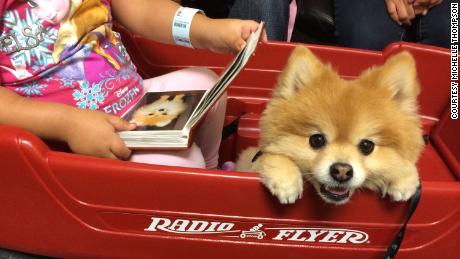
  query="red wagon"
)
[{"x": 59, "y": 204}]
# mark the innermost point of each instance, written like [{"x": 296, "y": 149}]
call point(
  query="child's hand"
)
[
  {"x": 94, "y": 133},
  {"x": 222, "y": 35}
]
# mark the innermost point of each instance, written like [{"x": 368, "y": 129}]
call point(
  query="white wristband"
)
[{"x": 181, "y": 25}]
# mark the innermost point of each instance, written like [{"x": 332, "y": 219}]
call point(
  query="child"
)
[{"x": 65, "y": 74}]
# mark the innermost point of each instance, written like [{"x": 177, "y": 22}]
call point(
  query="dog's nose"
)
[{"x": 341, "y": 172}]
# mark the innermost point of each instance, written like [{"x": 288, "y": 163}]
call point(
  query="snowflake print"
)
[
  {"x": 129, "y": 72},
  {"x": 30, "y": 50},
  {"x": 31, "y": 89},
  {"x": 110, "y": 79},
  {"x": 67, "y": 83},
  {"x": 90, "y": 96}
]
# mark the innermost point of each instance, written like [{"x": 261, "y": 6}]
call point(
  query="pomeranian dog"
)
[
  {"x": 340, "y": 135},
  {"x": 160, "y": 112}
]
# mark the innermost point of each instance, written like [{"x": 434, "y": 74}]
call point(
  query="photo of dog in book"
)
[
  {"x": 339, "y": 135},
  {"x": 161, "y": 112}
]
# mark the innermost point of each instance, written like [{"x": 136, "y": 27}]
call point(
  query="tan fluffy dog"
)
[{"x": 339, "y": 134}]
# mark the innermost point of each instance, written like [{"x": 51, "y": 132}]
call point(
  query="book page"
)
[{"x": 227, "y": 77}]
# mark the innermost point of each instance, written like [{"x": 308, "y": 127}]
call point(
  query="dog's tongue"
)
[{"x": 337, "y": 190}]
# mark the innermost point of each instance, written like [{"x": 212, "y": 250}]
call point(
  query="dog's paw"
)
[
  {"x": 283, "y": 178},
  {"x": 286, "y": 190},
  {"x": 403, "y": 190}
]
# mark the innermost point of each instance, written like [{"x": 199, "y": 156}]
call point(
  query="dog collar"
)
[{"x": 257, "y": 155}]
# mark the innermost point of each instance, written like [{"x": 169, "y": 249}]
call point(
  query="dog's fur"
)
[{"x": 379, "y": 106}]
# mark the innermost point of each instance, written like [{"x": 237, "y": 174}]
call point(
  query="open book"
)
[{"x": 166, "y": 119}]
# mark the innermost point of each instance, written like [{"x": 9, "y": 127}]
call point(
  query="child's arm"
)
[
  {"x": 86, "y": 132},
  {"x": 153, "y": 20}
]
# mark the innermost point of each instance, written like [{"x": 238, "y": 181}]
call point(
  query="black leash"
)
[
  {"x": 394, "y": 246},
  {"x": 392, "y": 250}
]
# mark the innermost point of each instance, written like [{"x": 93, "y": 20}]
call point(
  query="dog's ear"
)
[
  {"x": 399, "y": 77},
  {"x": 179, "y": 98},
  {"x": 302, "y": 67}
]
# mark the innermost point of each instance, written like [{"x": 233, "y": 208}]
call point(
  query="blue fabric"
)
[
  {"x": 367, "y": 25},
  {"x": 275, "y": 14},
  {"x": 434, "y": 28}
]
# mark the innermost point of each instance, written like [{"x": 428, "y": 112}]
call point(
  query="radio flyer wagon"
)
[{"x": 58, "y": 204}]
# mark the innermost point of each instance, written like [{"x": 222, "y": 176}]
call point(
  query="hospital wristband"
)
[{"x": 181, "y": 25}]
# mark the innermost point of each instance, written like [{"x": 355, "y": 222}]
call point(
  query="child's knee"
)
[
  {"x": 193, "y": 78},
  {"x": 203, "y": 78}
]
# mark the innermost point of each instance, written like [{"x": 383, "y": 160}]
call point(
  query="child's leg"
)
[
  {"x": 208, "y": 135},
  {"x": 191, "y": 157}
]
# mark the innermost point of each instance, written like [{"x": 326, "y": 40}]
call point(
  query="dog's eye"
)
[
  {"x": 317, "y": 141},
  {"x": 366, "y": 147}
]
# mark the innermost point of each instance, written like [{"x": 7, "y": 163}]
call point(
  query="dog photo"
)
[{"x": 163, "y": 110}]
